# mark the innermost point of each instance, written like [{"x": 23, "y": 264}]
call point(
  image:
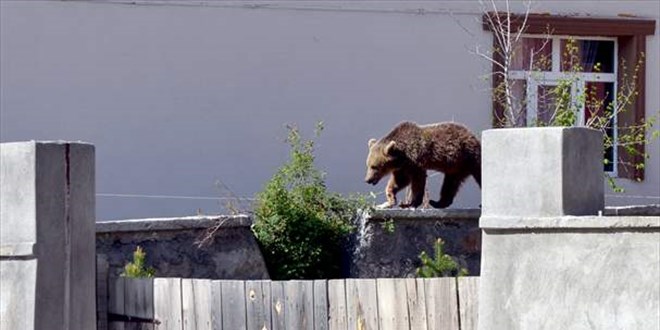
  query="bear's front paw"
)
[
  {"x": 408, "y": 206},
  {"x": 385, "y": 205},
  {"x": 440, "y": 204}
]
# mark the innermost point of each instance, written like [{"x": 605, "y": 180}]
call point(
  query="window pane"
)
[
  {"x": 546, "y": 107},
  {"x": 519, "y": 101},
  {"x": 587, "y": 55},
  {"x": 532, "y": 54},
  {"x": 598, "y": 110}
]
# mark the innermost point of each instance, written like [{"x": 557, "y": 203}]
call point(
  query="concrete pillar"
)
[
  {"x": 47, "y": 252},
  {"x": 549, "y": 261},
  {"x": 539, "y": 172}
]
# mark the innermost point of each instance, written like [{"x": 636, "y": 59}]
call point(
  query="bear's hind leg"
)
[
  {"x": 476, "y": 173},
  {"x": 449, "y": 189}
]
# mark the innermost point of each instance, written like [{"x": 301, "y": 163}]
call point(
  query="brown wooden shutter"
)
[{"x": 631, "y": 48}]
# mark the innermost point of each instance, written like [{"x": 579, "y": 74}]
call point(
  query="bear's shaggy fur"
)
[{"x": 409, "y": 150}]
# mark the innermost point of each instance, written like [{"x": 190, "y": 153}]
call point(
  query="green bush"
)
[
  {"x": 441, "y": 265},
  {"x": 299, "y": 224},
  {"x": 137, "y": 267}
]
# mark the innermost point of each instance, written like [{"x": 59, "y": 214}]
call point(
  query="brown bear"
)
[{"x": 409, "y": 150}]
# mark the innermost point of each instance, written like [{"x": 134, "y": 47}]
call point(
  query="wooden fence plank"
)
[
  {"x": 425, "y": 304},
  {"x": 416, "y": 303},
  {"x": 361, "y": 304},
  {"x": 468, "y": 301},
  {"x": 196, "y": 304},
  {"x": 233, "y": 305},
  {"x": 299, "y": 305},
  {"x": 101, "y": 292},
  {"x": 441, "y": 303},
  {"x": 116, "y": 301},
  {"x": 337, "y": 305},
  {"x": 167, "y": 303},
  {"x": 139, "y": 302},
  {"x": 258, "y": 304},
  {"x": 392, "y": 304},
  {"x": 278, "y": 311},
  {"x": 320, "y": 305},
  {"x": 216, "y": 305}
]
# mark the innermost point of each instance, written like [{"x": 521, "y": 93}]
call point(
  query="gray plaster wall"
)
[
  {"x": 570, "y": 273},
  {"x": 387, "y": 243},
  {"x": 201, "y": 82},
  {"x": 172, "y": 246}
]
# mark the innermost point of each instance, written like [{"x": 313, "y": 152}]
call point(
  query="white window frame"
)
[{"x": 535, "y": 78}]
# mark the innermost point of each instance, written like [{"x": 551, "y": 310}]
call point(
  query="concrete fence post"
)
[
  {"x": 537, "y": 172},
  {"x": 47, "y": 247},
  {"x": 549, "y": 260}
]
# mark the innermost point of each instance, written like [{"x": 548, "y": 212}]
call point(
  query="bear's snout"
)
[{"x": 371, "y": 181}]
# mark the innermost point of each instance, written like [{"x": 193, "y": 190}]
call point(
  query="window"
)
[
  {"x": 543, "y": 65},
  {"x": 600, "y": 43}
]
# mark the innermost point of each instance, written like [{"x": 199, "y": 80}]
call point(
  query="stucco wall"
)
[
  {"x": 583, "y": 272},
  {"x": 177, "y": 95}
]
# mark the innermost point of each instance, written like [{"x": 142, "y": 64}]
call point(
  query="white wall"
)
[{"x": 177, "y": 96}]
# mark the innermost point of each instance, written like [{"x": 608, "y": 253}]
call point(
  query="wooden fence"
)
[{"x": 360, "y": 304}]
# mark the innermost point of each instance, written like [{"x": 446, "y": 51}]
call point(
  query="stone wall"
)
[
  {"x": 388, "y": 243},
  {"x": 172, "y": 246}
]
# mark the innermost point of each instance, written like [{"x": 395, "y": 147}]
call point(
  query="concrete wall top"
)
[
  {"x": 571, "y": 222},
  {"x": 424, "y": 214},
  {"x": 178, "y": 223}
]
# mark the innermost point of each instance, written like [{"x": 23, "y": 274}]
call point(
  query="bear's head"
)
[{"x": 381, "y": 161}]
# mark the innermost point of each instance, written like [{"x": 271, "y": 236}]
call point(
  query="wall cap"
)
[
  {"x": 174, "y": 223},
  {"x": 571, "y": 222}
]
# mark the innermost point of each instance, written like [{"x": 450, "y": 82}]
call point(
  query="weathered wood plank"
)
[
  {"x": 361, "y": 304},
  {"x": 468, "y": 301},
  {"x": 101, "y": 292},
  {"x": 139, "y": 302},
  {"x": 233, "y": 305},
  {"x": 392, "y": 304},
  {"x": 216, "y": 305},
  {"x": 299, "y": 305},
  {"x": 258, "y": 304},
  {"x": 337, "y": 305},
  {"x": 416, "y": 303},
  {"x": 278, "y": 302},
  {"x": 116, "y": 301},
  {"x": 167, "y": 303},
  {"x": 441, "y": 303},
  {"x": 320, "y": 305},
  {"x": 196, "y": 304}
]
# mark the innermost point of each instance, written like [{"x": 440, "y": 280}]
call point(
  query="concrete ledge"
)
[
  {"x": 18, "y": 250},
  {"x": 424, "y": 214},
  {"x": 645, "y": 210},
  {"x": 162, "y": 224},
  {"x": 572, "y": 222}
]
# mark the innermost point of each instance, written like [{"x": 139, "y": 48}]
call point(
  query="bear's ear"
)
[
  {"x": 372, "y": 142},
  {"x": 389, "y": 148}
]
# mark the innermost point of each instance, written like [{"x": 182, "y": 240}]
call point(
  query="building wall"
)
[{"x": 177, "y": 96}]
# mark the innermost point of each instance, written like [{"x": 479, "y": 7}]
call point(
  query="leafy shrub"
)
[
  {"x": 441, "y": 265},
  {"x": 137, "y": 267},
  {"x": 300, "y": 225}
]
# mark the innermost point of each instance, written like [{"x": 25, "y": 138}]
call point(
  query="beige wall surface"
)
[{"x": 178, "y": 95}]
